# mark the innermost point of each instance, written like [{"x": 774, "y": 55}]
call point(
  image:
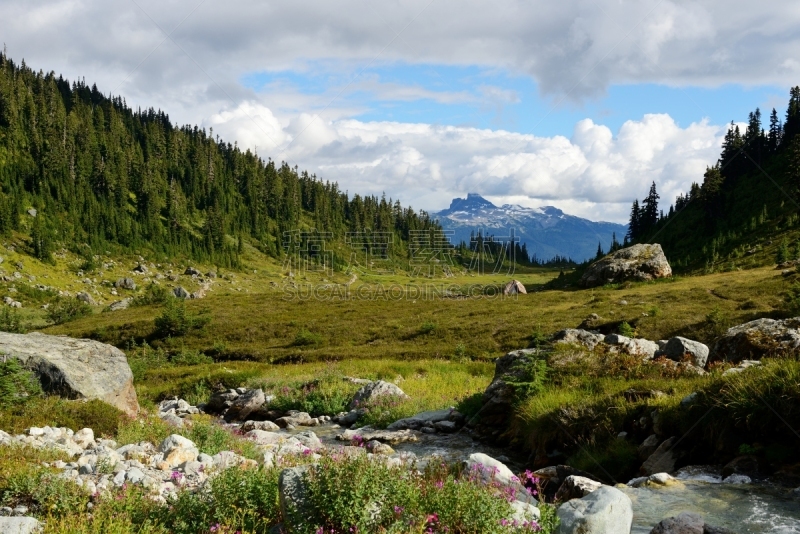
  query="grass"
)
[{"x": 266, "y": 327}]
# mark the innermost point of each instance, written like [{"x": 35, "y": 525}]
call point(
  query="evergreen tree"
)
[
  {"x": 649, "y": 216},
  {"x": 775, "y": 132},
  {"x": 634, "y": 225},
  {"x": 600, "y": 252}
]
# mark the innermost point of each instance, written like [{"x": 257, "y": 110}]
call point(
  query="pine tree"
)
[
  {"x": 649, "y": 216},
  {"x": 600, "y": 252},
  {"x": 634, "y": 226},
  {"x": 775, "y": 132}
]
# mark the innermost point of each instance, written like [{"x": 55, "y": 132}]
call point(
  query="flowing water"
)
[{"x": 743, "y": 508}]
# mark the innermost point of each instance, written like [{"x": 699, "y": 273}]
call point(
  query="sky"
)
[{"x": 580, "y": 104}]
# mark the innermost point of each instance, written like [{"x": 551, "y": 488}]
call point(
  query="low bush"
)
[
  {"x": 17, "y": 385},
  {"x": 103, "y": 418},
  {"x": 65, "y": 309},
  {"x": 10, "y": 321},
  {"x": 356, "y": 494},
  {"x": 152, "y": 294},
  {"x": 329, "y": 394},
  {"x": 176, "y": 321},
  {"x": 305, "y": 338}
]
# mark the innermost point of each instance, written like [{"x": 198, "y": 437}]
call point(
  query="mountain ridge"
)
[{"x": 546, "y": 230}]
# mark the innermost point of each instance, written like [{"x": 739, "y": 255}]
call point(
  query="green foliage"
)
[
  {"x": 176, "y": 321},
  {"x": 328, "y": 394},
  {"x": 54, "y": 411},
  {"x": 190, "y": 357},
  {"x": 10, "y": 321},
  {"x": 783, "y": 254},
  {"x": 306, "y": 338},
  {"x": 792, "y": 299},
  {"x": 537, "y": 339},
  {"x": 427, "y": 327},
  {"x": 176, "y": 190},
  {"x": 529, "y": 377},
  {"x": 41, "y": 491},
  {"x": 65, "y": 309},
  {"x": 716, "y": 321},
  {"x": 626, "y": 329},
  {"x": 352, "y": 493},
  {"x": 152, "y": 294},
  {"x": 17, "y": 385},
  {"x": 42, "y": 239}
]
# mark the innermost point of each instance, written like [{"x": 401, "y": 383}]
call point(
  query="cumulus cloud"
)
[
  {"x": 595, "y": 174},
  {"x": 573, "y": 49}
]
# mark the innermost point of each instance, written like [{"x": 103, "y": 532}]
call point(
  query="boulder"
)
[
  {"x": 191, "y": 271},
  {"x": 491, "y": 470},
  {"x": 180, "y": 293},
  {"x": 575, "y": 487},
  {"x": 638, "y": 263},
  {"x": 662, "y": 460},
  {"x": 514, "y": 287},
  {"x": 576, "y": 336},
  {"x": 125, "y": 283},
  {"x": 756, "y": 339},
  {"x": 293, "y": 494},
  {"x": 259, "y": 425},
  {"x": 741, "y": 465},
  {"x": 245, "y": 404},
  {"x": 19, "y": 525},
  {"x": 75, "y": 368},
  {"x": 373, "y": 391},
  {"x": 415, "y": 422},
  {"x": 83, "y": 296},
  {"x": 679, "y": 348},
  {"x": 685, "y": 523},
  {"x": 367, "y": 433},
  {"x": 118, "y": 305},
  {"x": 604, "y": 511},
  {"x": 221, "y": 401}
]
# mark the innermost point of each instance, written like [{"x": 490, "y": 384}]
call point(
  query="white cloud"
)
[{"x": 595, "y": 174}]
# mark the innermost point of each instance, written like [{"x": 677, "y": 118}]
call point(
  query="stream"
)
[{"x": 755, "y": 508}]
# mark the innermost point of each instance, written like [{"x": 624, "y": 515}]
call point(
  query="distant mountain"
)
[{"x": 546, "y": 231}]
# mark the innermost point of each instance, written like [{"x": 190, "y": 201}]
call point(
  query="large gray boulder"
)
[
  {"x": 75, "y": 368},
  {"x": 663, "y": 458},
  {"x": 293, "y": 494},
  {"x": 679, "y": 348},
  {"x": 245, "y": 404},
  {"x": 637, "y": 263},
  {"x": 373, "y": 391},
  {"x": 604, "y": 511},
  {"x": 756, "y": 339},
  {"x": 19, "y": 525}
]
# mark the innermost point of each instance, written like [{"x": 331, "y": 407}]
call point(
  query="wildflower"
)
[
  {"x": 214, "y": 528},
  {"x": 439, "y": 484},
  {"x": 398, "y": 510}
]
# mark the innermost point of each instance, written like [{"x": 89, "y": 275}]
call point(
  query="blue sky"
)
[
  {"x": 497, "y": 99},
  {"x": 580, "y": 104}
]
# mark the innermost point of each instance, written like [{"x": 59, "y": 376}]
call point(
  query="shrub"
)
[
  {"x": 10, "y": 321},
  {"x": 626, "y": 330},
  {"x": 350, "y": 493},
  {"x": 152, "y": 294},
  {"x": 65, "y": 309},
  {"x": 305, "y": 338},
  {"x": 427, "y": 327},
  {"x": 17, "y": 385},
  {"x": 329, "y": 394},
  {"x": 176, "y": 321},
  {"x": 531, "y": 378},
  {"x": 191, "y": 357},
  {"x": 103, "y": 418}
]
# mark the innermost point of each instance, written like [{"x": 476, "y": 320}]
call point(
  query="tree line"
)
[{"x": 99, "y": 175}]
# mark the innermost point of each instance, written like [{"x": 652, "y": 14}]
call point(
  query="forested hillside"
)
[
  {"x": 101, "y": 174},
  {"x": 745, "y": 211}
]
